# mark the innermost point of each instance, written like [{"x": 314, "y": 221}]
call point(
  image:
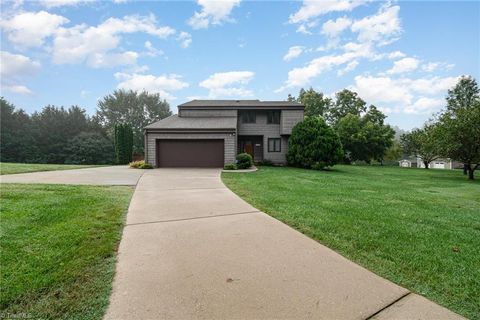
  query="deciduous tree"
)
[
  {"x": 423, "y": 143},
  {"x": 136, "y": 108},
  {"x": 316, "y": 104},
  {"x": 459, "y": 125},
  {"x": 347, "y": 102}
]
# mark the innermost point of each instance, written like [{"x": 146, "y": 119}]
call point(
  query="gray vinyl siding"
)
[
  {"x": 230, "y": 145},
  {"x": 261, "y": 128},
  {"x": 207, "y": 113},
  {"x": 289, "y": 119}
]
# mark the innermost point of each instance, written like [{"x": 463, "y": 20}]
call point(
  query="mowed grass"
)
[
  {"x": 418, "y": 228},
  {"x": 12, "y": 168},
  {"x": 58, "y": 246}
]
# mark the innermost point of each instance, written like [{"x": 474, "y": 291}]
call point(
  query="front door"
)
[
  {"x": 252, "y": 145},
  {"x": 248, "y": 148}
]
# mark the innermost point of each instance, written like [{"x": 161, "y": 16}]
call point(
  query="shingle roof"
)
[
  {"x": 239, "y": 103},
  {"x": 176, "y": 122}
]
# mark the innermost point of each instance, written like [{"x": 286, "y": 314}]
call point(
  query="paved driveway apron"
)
[
  {"x": 192, "y": 249},
  {"x": 114, "y": 175}
]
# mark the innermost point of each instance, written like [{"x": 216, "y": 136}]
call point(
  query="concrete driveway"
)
[
  {"x": 192, "y": 249},
  {"x": 114, "y": 175}
]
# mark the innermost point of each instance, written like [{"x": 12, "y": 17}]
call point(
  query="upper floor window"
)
[
  {"x": 247, "y": 117},
  {"x": 273, "y": 117}
]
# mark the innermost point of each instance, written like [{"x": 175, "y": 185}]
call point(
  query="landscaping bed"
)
[
  {"x": 418, "y": 228},
  {"x": 58, "y": 246}
]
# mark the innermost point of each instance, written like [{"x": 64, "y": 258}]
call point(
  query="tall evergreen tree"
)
[{"x": 123, "y": 143}]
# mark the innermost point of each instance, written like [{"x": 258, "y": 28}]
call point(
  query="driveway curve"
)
[{"x": 192, "y": 249}]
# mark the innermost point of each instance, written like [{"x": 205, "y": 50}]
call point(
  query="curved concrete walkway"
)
[{"x": 192, "y": 249}]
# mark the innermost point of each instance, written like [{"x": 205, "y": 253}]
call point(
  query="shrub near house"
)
[{"x": 314, "y": 145}]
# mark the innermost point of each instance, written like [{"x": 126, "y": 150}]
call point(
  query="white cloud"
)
[
  {"x": 404, "y": 65},
  {"x": 226, "y": 84},
  {"x": 396, "y": 55},
  {"x": 425, "y": 106},
  {"x": 108, "y": 60},
  {"x": 422, "y": 95},
  {"x": 61, "y": 3},
  {"x": 350, "y": 67},
  {"x": 14, "y": 68},
  {"x": 312, "y": 9},
  {"x": 18, "y": 89},
  {"x": 162, "y": 84},
  {"x": 333, "y": 28},
  {"x": 302, "y": 76},
  {"x": 185, "y": 39},
  {"x": 382, "y": 89},
  {"x": 29, "y": 29},
  {"x": 383, "y": 27},
  {"x": 433, "y": 66},
  {"x": 97, "y": 46},
  {"x": 432, "y": 85},
  {"x": 83, "y": 43},
  {"x": 293, "y": 52},
  {"x": 17, "y": 65},
  {"x": 213, "y": 12},
  {"x": 151, "y": 50}
]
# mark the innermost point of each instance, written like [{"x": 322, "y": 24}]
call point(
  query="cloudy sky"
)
[{"x": 400, "y": 56}]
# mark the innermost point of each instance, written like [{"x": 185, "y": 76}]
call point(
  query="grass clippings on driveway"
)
[
  {"x": 13, "y": 168},
  {"x": 58, "y": 246},
  {"x": 418, "y": 228}
]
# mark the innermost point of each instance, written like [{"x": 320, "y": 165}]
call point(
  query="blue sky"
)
[{"x": 401, "y": 56}]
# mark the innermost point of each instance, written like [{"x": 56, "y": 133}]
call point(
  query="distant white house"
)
[
  {"x": 440, "y": 163},
  {"x": 405, "y": 163}
]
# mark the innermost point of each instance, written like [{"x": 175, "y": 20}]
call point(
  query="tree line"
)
[
  {"x": 69, "y": 135},
  {"x": 454, "y": 132},
  {"x": 363, "y": 133}
]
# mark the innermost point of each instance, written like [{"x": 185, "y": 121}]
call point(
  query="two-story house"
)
[{"x": 210, "y": 133}]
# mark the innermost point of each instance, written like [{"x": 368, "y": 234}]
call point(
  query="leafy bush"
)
[
  {"x": 244, "y": 161},
  {"x": 140, "y": 165},
  {"x": 230, "y": 166},
  {"x": 313, "y": 144},
  {"x": 89, "y": 148}
]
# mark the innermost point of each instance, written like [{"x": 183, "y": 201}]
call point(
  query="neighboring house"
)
[
  {"x": 405, "y": 163},
  {"x": 440, "y": 163},
  {"x": 210, "y": 133}
]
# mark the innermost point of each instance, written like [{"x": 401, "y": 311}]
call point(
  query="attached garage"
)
[
  {"x": 203, "y": 153},
  {"x": 191, "y": 142}
]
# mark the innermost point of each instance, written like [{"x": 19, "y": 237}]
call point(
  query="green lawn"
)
[
  {"x": 11, "y": 168},
  {"x": 58, "y": 245},
  {"x": 419, "y": 228}
]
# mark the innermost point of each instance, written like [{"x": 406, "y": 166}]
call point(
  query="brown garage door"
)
[{"x": 190, "y": 153}]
